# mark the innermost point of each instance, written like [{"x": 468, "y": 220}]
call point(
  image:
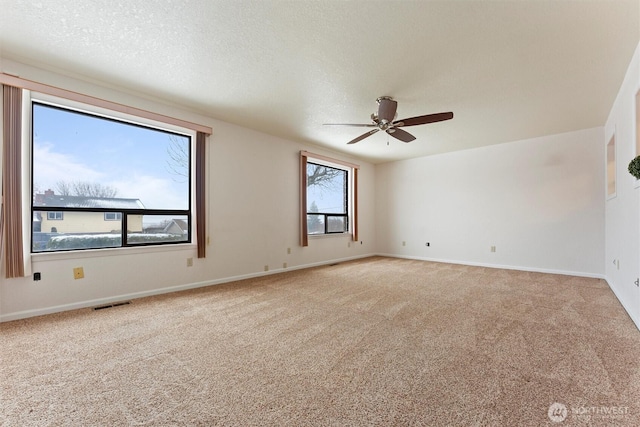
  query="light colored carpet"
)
[{"x": 378, "y": 341}]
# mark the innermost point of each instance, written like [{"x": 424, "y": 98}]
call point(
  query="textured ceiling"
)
[{"x": 508, "y": 70}]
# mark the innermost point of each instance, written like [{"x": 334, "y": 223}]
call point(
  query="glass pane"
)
[
  {"x": 81, "y": 160},
  {"x": 336, "y": 224},
  {"x": 74, "y": 230},
  {"x": 315, "y": 224},
  {"x": 157, "y": 229},
  {"x": 326, "y": 189}
]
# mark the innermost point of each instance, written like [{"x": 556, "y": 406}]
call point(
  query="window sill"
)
[
  {"x": 323, "y": 236},
  {"x": 101, "y": 253}
]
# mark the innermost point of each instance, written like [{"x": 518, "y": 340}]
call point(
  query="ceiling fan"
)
[{"x": 385, "y": 120}]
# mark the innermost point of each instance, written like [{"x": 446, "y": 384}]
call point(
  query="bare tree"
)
[
  {"x": 85, "y": 189},
  {"x": 178, "y": 161},
  {"x": 64, "y": 188},
  {"x": 321, "y": 176}
]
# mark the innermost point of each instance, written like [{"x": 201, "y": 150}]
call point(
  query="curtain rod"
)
[{"x": 98, "y": 102}]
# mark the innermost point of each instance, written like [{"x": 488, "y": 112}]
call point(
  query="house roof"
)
[
  {"x": 57, "y": 200},
  {"x": 182, "y": 224},
  {"x": 508, "y": 70}
]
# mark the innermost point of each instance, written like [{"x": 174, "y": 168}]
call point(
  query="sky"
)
[{"x": 70, "y": 146}]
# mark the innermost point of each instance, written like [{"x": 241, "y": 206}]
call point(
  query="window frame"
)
[
  {"x": 117, "y": 216},
  {"x": 306, "y": 156},
  {"x": 55, "y": 216},
  {"x": 119, "y": 117}
]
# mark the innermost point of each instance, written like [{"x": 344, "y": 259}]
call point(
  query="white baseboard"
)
[
  {"x": 501, "y": 266},
  {"x": 126, "y": 297}
]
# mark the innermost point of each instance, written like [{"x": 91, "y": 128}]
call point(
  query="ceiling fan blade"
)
[
  {"x": 400, "y": 134},
  {"x": 423, "y": 120},
  {"x": 387, "y": 109},
  {"x": 363, "y": 136},
  {"x": 369, "y": 125}
]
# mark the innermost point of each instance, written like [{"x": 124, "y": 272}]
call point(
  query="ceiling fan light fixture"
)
[{"x": 385, "y": 120}]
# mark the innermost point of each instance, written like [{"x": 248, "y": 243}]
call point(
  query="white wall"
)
[
  {"x": 538, "y": 201},
  {"x": 622, "y": 258},
  {"x": 252, "y": 217}
]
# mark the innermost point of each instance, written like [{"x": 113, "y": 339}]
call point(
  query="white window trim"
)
[
  {"x": 117, "y": 216},
  {"x": 54, "y": 218}
]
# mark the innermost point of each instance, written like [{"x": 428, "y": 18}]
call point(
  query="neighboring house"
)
[
  {"x": 176, "y": 226},
  {"x": 171, "y": 226},
  {"x": 85, "y": 222}
]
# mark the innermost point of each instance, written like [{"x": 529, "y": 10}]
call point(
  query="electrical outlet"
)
[
  {"x": 289, "y": 251},
  {"x": 284, "y": 265},
  {"x": 189, "y": 262},
  {"x": 493, "y": 248},
  {"x": 78, "y": 273},
  {"x": 266, "y": 268}
]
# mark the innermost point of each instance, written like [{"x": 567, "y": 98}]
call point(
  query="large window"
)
[
  {"x": 101, "y": 182},
  {"x": 327, "y": 199}
]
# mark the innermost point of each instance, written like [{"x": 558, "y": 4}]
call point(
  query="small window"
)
[
  {"x": 327, "y": 199},
  {"x": 113, "y": 216},
  {"x": 611, "y": 167},
  {"x": 54, "y": 216}
]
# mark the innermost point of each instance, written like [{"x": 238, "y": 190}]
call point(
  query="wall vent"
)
[{"x": 115, "y": 304}]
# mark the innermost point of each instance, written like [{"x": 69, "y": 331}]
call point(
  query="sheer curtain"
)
[{"x": 11, "y": 212}]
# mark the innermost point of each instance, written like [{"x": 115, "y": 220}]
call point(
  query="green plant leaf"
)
[{"x": 634, "y": 167}]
